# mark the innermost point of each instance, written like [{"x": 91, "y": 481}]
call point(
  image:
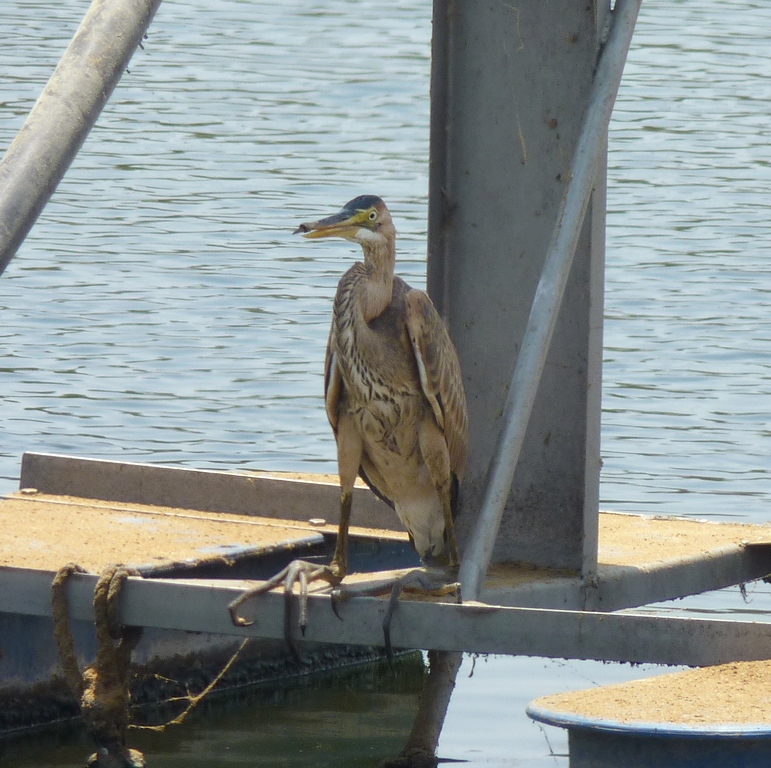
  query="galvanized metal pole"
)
[
  {"x": 505, "y": 123},
  {"x": 548, "y": 297},
  {"x": 66, "y": 111}
]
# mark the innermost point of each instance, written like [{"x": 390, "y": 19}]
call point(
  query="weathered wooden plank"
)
[{"x": 201, "y": 606}]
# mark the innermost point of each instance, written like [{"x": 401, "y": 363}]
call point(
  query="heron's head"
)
[{"x": 365, "y": 220}]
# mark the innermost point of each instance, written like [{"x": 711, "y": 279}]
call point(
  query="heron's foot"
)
[
  {"x": 432, "y": 582},
  {"x": 299, "y": 572}
]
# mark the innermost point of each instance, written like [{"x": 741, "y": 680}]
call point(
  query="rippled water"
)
[
  {"x": 687, "y": 389},
  {"x": 162, "y": 311}
]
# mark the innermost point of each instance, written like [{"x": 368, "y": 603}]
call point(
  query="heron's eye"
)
[{"x": 372, "y": 215}]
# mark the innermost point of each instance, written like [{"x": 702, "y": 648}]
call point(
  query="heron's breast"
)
[
  {"x": 384, "y": 383},
  {"x": 388, "y": 425}
]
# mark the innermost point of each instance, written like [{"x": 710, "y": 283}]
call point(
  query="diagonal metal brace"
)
[{"x": 66, "y": 111}]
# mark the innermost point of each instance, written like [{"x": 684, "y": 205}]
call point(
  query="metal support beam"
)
[
  {"x": 619, "y": 587},
  {"x": 201, "y": 606},
  {"x": 510, "y": 85},
  {"x": 65, "y": 113},
  {"x": 671, "y": 570},
  {"x": 548, "y": 298}
]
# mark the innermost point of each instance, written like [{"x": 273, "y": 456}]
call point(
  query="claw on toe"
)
[
  {"x": 426, "y": 581},
  {"x": 335, "y": 600},
  {"x": 420, "y": 581},
  {"x": 238, "y": 621}
]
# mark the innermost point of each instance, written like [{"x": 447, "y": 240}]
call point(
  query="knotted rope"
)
[{"x": 102, "y": 689}]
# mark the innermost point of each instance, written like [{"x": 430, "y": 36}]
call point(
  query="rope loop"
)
[{"x": 103, "y": 687}]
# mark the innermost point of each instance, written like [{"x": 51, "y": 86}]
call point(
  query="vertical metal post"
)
[
  {"x": 65, "y": 113},
  {"x": 548, "y": 297},
  {"x": 510, "y": 88}
]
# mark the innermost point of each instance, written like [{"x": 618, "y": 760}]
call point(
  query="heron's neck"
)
[{"x": 379, "y": 260}]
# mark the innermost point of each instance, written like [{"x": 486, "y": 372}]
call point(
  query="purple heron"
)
[{"x": 394, "y": 397}]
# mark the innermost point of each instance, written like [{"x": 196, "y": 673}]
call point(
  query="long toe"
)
[
  {"x": 299, "y": 572},
  {"x": 432, "y": 582}
]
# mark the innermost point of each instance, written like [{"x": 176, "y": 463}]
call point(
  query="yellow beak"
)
[{"x": 343, "y": 224}]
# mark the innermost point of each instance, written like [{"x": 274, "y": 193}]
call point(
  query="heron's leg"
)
[
  {"x": 431, "y": 581},
  {"x": 349, "y": 451},
  {"x": 349, "y": 447},
  {"x": 449, "y": 523},
  {"x": 434, "y": 450},
  {"x": 339, "y": 564}
]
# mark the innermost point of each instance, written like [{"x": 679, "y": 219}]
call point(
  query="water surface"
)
[{"x": 161, "y": 311}]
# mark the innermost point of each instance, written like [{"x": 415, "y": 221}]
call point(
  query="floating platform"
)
[
  {"x": 200, "y": 538},
  {"x": 711, "y": 718},
  {"x": 41, "y": 532}
]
